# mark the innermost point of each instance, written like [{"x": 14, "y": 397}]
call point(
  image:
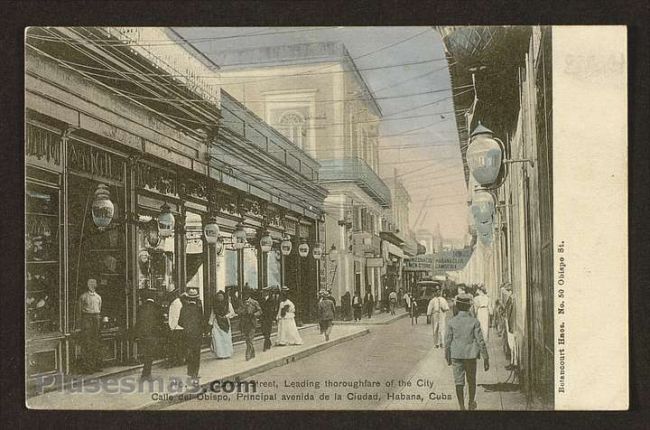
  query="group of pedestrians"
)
[{"x": 187, "y": 325}]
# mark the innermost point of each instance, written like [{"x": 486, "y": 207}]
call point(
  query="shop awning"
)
[{"x": 395, "y": 250}]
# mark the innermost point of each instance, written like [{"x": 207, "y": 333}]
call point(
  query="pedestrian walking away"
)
[
  {"x": 325, "y": 314},
  {"x": 464, "y": 344},
  {"x": 220, "y": 316},
  {"x": 269, "y": 307},
  {"x": 287, "y": 330},
  {"x": 357, "y": 306},
  {"x": 176, "y": 340},
  {"x": 248, "y": 312},
  {"x": 148, "y": 330},
  {"x": 437, "y": 311},
  {"x": 369, "y": 302},
  {"x": 89, "y": 308},
  {"x": 193, "y": 323}
]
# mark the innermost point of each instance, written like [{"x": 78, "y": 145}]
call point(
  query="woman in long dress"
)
[
  {"x": 482, "y": 310},
  {"x": 287, "y": 330},
  {"x": 222, "y": 312}
]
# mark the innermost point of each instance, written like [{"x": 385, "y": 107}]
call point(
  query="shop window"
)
[
  {"x": 42, "y": 274},
  {"x": 156, "y": 263},
  {"x": 95, "y": 253},
  {"x": 250, "y": 268},
  {"x": 274, "y": 268},
  {"x": 227, "y": 275}
]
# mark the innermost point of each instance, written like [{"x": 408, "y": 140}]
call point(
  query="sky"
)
[{"x": 418, "y": 134}]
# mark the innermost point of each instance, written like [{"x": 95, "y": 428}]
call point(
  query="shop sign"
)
[
  {"x": 374, "y": 262},
  {"x": 100, "y": 164},
  {"x": 452, "y": 260}
]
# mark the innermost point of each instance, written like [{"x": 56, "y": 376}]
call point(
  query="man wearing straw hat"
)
[{"x": 463, "y": 345}]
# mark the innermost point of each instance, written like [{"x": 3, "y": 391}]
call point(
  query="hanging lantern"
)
[
  {"x": 153, "y": 236},
  {"x": 333, "y": 251},
  {"x": 484, "y": 156},
  {"x": 103, "y": 208},
  {"x": 266, "y": 242},
  {"x": 166, "y": 221},
  {"x": 239, "y": 238},
  {"x": 211, "y": 230},
  {"x": 483, "y": 206},
  {"x": 303, "y": 249},
  {"x": 286, "y": 246},
  {"x": 317, "y": 252}
]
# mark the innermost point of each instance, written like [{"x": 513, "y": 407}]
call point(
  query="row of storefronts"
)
[{"x": 116, "y": 192}]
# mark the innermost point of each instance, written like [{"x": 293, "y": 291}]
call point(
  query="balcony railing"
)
[{"x": 357, "y": 171}]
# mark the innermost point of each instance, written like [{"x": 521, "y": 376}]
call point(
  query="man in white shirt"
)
[
  {"x": 437, "y": 310},
  {"x": 176, "y": 347}
]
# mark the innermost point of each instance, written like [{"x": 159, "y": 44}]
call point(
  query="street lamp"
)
[
  {"x": 483, "y": 206},
  {"x": 333, "y": 251},
  {"x": 484, "y": 155},
  {"x": 303, "y": 249},
  {"x": 239, "y": 237},
  {"x": 317, "y": 252},
  {"x": 211, "y": 230},
  {"x": 102, "y": 208},
  {"x": 166, "y": 221},
  {"x": 266, "y": 242},
  {"x": 286, "y": 245}
]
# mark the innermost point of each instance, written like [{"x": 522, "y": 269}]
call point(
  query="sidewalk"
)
[
  {"x": 437, "y": 391},
  {"x": 379, "y": 318},
  {"x": 122, "y": 393}
]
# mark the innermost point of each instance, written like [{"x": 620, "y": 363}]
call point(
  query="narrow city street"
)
[{"x": 398, "y": 352}]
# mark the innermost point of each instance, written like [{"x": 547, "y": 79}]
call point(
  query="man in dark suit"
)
[
  {"x": 269, "y": 313},
  {"x": 248, "y": 312},
  {"x": 148, "y": 330},
  {"x": 193, "y": 323}
]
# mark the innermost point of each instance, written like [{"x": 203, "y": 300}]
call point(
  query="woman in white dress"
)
[
  {"x": 483, "y": 310},
  {"x": 287, "y": 330},
  {"x": 222, "y": 312}
]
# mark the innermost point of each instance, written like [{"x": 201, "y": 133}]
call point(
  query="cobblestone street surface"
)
[{"x": 398, "y": 354}]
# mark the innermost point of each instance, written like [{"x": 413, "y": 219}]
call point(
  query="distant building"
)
[{"x": 314, "y": 95}]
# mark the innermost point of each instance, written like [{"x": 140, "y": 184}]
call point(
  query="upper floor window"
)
[{"x": 292, "y": 126}]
